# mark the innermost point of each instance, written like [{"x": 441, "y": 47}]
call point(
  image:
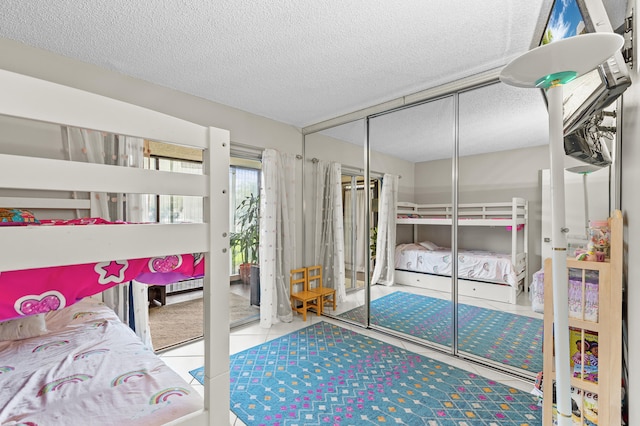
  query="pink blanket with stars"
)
[{"x": 36, "y": 291}]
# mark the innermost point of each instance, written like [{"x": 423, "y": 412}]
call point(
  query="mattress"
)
[
  {"x": 89, "y": 368},
  {"x": 472, "y": 264}
]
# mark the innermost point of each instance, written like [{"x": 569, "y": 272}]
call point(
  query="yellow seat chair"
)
[
  {"x": 327, "y": 294},
  {"x": 301, "y": 298}
]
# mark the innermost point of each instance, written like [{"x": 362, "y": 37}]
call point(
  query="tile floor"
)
[{"x": 190, "y": 356}]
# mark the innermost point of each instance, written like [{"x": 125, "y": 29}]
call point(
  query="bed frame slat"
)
[
  {"x": 42, "y": 246},
  {"x": 62, "y": 175},
  {"x": 31, "y": 98},
  {"x": 45, "y": 203}
]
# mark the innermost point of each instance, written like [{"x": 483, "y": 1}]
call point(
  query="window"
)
[
  {"x": 170, "y": 208},
  {"x": 244, "y": 181}
]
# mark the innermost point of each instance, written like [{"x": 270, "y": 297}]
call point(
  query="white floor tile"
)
[
  {"x": 198, "y": 387},
  {"x": 242, "y": 342},
  {"x": 182, "y": 365}
]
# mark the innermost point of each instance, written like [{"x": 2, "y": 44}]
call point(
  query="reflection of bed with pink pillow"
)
[
  {"x": 483, "y": 274},
  {"x": 40, "y": 290}
]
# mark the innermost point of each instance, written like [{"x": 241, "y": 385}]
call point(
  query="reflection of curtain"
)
[
  {"x": 358, "y": 220},
  {"x": 94, "y": 147},
  {"x": 91, "y": 148},
  {"x": 385, "y": 244},
  {"x": 277, "y": 236},
  {"x": 328, "y": 242},
  {"x": 131, "y": 154}
]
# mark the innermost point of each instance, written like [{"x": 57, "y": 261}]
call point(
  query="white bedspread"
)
[
  {"x": 472, "y": 264},
  {"x": 89, "y": 370}
]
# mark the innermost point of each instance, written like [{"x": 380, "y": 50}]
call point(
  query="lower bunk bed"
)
[
  {"x": 481, "y": 274},
  {"x": 74, "y": 365}
]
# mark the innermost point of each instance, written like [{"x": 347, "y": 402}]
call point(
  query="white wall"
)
[
  {"x": 19, "y": 136},
  {"x": 245, "y": 128},
  {"x": 630, "y": 161}
]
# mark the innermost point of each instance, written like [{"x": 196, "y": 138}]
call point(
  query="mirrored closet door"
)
[
  {"x": 503, "y": 143},
  {"x": 450, "y": 249},
  {"x": 336, "y": 215},
  {"x": 412, "y": 149}
]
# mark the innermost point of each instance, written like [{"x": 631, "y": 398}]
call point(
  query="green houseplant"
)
[
  {"x": 245, "y": 241},
  {"x": 373, "y": 243}
]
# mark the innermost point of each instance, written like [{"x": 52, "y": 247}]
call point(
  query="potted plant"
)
[
  {"x": 246, "y": 239},
  {"x": 373, "y": 243}
]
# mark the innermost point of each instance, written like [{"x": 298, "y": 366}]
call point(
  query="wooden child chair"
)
[
  {"x": 299, "y": 293},
  {"x": 327, "y": 294}
]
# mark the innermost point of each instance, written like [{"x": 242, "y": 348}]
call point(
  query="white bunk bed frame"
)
[
  {"x": 34, "y": 247},
  {"x": 512, "y": 213}
]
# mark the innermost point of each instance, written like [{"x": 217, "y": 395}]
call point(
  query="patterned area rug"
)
[
  {"x": 327, "y": 375},
  {"x": 500, "y": 336}
]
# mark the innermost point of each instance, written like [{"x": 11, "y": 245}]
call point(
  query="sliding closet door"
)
[
  {"x": 412, "y": 149},
  {"x": 503, "y": 143},
  {"x": 336, "y": 216}
]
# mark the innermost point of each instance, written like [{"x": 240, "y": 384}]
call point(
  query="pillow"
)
[
  {"x": 23, "y": 328},
  {"x": 17, "y": 217},
  {"x": 429, "y": 245}
]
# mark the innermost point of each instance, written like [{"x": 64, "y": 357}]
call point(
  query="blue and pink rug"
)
[
  {"x": 327, "y": 375},
  {"x": 504, "y": 337}
]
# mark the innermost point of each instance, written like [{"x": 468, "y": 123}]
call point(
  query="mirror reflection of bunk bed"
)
[{"x": 481, "y": 273}]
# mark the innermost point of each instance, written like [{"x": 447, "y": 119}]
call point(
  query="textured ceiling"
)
[
  {"x": 295, "y": 61},
  {"x": 492, "y": 118}
]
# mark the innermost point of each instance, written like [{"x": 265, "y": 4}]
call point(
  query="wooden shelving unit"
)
[{"x": 608, "y": 326}]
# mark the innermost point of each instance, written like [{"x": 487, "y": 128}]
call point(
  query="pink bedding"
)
[
  {"x": 472, "y": 264},
  {"x": 577, "y": 306},
  {"x": 35, "y": 291},
  {"x": 89, "y": 369}
]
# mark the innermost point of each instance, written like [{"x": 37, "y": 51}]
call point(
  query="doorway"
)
[{"x": 357, "y": 241}]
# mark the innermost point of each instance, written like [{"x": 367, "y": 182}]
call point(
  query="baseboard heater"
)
[{"x": 184, "y": 286}]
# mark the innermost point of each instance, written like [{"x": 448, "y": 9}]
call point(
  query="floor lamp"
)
[{"x": 549, "y": 67}]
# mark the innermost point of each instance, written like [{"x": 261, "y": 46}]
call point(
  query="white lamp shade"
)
[{"x": 578, "y": 54}]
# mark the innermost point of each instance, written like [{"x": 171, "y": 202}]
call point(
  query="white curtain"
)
[
  {"x": 383, "y": 273},
  {"x": 277, "y": 235},
  {"x": 328, "y": 223},
  {"x": 95, "y": 147},
  {"x": 358, "y": 221},
  {"x": 131, "y": 154}
]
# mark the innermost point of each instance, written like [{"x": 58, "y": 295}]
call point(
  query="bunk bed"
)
[
  {"x": 483, "y": 274},
  {"x": 48, "y": 383}
]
